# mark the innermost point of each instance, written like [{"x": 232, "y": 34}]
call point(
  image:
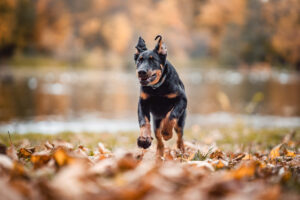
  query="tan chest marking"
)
[
  {"x": 171, "y": 95},
  {"x": 144, "y": 96}
]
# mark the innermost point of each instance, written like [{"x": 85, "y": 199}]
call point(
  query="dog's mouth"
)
[{"x": 145, "y": 80}]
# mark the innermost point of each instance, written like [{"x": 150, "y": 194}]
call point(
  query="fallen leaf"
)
[
  {"x": 40, "y": 159},
  {"x": 239, "y": 157},
  {"x": 62, "y": 158},
  {"x": 275, "y": 152},
  {"x": 203, "y": 164},
  {"x": 245, "y": 170},
  {"x": 6, "y": 162},
  {"x": 284, "y": 174},
  {"x": 219, "y": 164},
  {"x": 127, "y": 162},
  {"x": 270, "y": 193},
  {"x": 247, "y": 157},
  {"x": 25, "y": 152},
  {"x": 218, "y": 154},
  {"x": 12, "y": 153},
  {"x": 102, "y": 148},
  {"x": 289, "y": 153},
  {"x": 18, "y": 170},
  {"x": 63, "y": 144},
  {"x": 48, "y": 145}
]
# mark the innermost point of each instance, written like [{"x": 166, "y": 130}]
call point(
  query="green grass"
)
[
  {"x": 111, "y": 140},
  {"x": 229, "y": 139}
]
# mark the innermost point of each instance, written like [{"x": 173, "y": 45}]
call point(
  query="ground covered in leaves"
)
[{"x": 63, "y": 167}]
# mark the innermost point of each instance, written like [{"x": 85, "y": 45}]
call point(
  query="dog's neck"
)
[{"x": 162, "y": 79}]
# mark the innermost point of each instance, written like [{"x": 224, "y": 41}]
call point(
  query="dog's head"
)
[{"x": 150, "y": 63}]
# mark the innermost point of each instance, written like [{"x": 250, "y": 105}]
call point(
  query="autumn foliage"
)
[
  {"x": 235, "y": 32},
  {"x": 60, "y": 170}
]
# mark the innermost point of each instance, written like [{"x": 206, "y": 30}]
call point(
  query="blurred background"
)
[{"x": 67, "y": 65}]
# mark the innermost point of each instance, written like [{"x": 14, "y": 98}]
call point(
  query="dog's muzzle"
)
[{"x": 145, "y": 78}]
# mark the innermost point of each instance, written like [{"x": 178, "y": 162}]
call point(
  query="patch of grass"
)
[
  {"x": 225, "y": 138},
  {"x": 202, "y": 156},
  {"x": 90, "y": 140}
]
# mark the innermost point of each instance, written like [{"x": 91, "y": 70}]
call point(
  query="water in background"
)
[{"x": 85, "y": 100}]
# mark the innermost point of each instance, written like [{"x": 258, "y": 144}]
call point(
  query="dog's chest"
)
[{"x": 160, "y": 105}]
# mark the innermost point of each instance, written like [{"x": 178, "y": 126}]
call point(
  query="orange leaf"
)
[
  {"x": 40, "y": 160},
  {"x": 62, "y": 158},
  {"x": 219, "y": 165},
  {"x": 247, "y": 169},
  {"x": 289, "y": 153},
  {"x": 127, "y": 162},
  {"x": 247, "y": 157},
  {"x": 275, "y": 152},
  {"x": 25, "y": 153}
]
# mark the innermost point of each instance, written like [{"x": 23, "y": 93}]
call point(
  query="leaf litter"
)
[{"x": 61, "y": 170}]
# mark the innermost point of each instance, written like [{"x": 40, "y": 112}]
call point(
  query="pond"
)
[{"x": 94, "y": 100}]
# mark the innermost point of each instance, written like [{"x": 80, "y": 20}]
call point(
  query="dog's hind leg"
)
[
  {"x": 167, "y": 126},
  {"x": 160, "y": 143},
  {"x": 179, "y": 130}
]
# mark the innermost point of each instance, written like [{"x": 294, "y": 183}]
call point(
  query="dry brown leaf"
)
[
  {"x": 18, "y": 170},
  {"x": 127, "y": 162},
  {"x": 218, "y": 154},
  {"x": 25, "y": 152},
  {"x": 270, "y": 193},
  {"x": 63, "y": 144},
  {"x": 6, "y": 162},
  {"x": 247, "y": 157},
  {"x": 289, "y": 153},
  {"x": 202, "y": 164},
  {"x": 245, "y": 170},
  {"x": 62, "y": 158},
  {"x": 7, "y": 192},
  {"x": 275, "y": 152},
  {"x": 40, "y": 159},
  {"x": 12, "y": 153},
  {"x": 48, "y": 145},
  {"x": 102, "y": 149},
  {"x": 219, "y": 164}
]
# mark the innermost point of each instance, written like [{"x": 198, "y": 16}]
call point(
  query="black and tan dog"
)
[{"x": 162, "y": 94}]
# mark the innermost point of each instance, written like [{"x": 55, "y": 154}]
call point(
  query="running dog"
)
[{"x": 162, "y": 94}]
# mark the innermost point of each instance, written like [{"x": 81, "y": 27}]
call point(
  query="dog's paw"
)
[{"x": 144, "y": 142}]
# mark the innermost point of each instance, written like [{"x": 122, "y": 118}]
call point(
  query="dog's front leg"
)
[{"x": 145, "y": 139}]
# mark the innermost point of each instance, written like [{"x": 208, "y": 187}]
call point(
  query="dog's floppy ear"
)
[
  {"x": 140, "y": 47},
  {"x": 161, "y": 49}
]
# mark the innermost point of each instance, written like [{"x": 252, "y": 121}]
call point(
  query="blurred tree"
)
[
  {"x": 17, "y": 21},
  {"x": 24, "y": 31},
  {"x": 233, "y": 31},
  {"x": 216, "y": 16},
  {"x": 283, "y": 18},
  {"x": 7, "y": 24},
  {"x": 249, "y": 42}
]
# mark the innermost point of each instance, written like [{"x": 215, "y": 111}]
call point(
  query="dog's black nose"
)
[{"x": 142, "y": 72}]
